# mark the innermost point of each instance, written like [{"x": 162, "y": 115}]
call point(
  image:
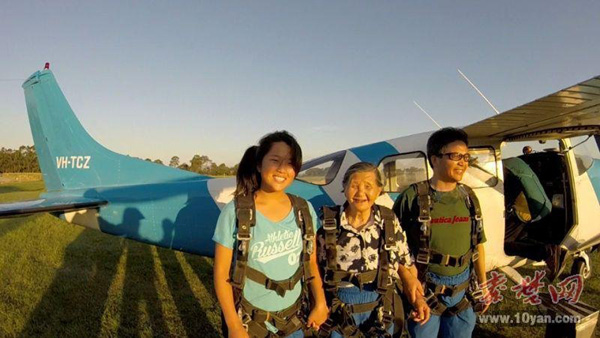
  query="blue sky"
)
[{"x": 159, "y": 78}]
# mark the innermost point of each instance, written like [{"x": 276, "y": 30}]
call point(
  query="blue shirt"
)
[{"x": 275, "y": 250}]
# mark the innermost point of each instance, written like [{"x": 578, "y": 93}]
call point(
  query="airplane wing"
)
[
  {"x": 570, "y": 112},
  {"x": 59, "y": 204}
]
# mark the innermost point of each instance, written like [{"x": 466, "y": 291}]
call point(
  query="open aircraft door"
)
[{"x": 570, "y": 116}]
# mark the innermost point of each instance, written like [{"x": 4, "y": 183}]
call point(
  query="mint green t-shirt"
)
[
  {"x": 275, "y": 250},
  {"x": 450, "y": 225}
]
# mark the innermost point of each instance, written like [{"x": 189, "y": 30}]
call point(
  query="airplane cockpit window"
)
[
  {"x": 322, "y": 170},
  {"x": 400, "y": 171},
  {"x": 482, "y": 171},
  {"x": 587, "y": 152}
]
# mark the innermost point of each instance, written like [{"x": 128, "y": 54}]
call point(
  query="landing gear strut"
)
[{"x": 581, "y": 265}]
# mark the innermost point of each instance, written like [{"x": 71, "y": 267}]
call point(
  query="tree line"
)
[{"x": 24, "y": 160}]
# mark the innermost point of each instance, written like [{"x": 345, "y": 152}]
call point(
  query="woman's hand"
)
[
  {"x": 421, "y": 312},
  {"x": 238, "y": 332},
  {"x": 413, "y": 289},
  {"x": 318, "y": 316}
]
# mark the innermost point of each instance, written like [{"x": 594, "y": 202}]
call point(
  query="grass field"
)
[{"x": 60, "y": 280}]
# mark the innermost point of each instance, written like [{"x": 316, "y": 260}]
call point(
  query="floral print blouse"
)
[{"x": 358, "y": 250}]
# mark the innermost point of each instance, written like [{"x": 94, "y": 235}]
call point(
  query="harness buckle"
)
[
  {"x": 446, "y": 260},
  {"x": 477, "y": 294},
  {"x": 245, "y": 318},
  {"x": 423, "y": 256},
  {"x": 475, "y": 255},
  {"x": 276, "y": 286},
  {"x": 431, "y": 300},
  {"x": 424, "y": 219},
  {"x": 310, "y": 248},
  {"x": 329, "y": 224},
  {"x": 384, "y": 316},
  {"x": 240, "y": 213},
  {"x": 243, "y": 237}
]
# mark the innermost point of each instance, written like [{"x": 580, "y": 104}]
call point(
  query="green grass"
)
[{"x": 60, "y": 280}]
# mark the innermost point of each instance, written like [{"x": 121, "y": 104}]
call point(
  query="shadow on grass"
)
[
  {"x": 73, "y": 304},
  {"x": 11, "y": 224},
  {"x": 77, "y": 301},
  {"x": 10, "y": 188},
  {"x": 141, "y": 308},
  {"x": 193, "y": 317}
]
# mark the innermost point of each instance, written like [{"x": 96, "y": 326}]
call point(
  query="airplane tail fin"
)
[{"x": 69, "y": 157}]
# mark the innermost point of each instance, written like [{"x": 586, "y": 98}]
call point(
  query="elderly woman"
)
[{"x": 363, "y": 256}]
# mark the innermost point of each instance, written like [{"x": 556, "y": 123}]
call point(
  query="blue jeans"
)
[
  {"x": 458, "y": 326},
  {"x": 353, "y": 295},
  {"x": 297, "y": 334}
]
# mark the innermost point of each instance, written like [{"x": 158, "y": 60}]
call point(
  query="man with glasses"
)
[{"x": 442, "y": 220}]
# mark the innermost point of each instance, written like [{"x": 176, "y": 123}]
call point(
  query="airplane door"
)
[{"x": 583, "y": 157}]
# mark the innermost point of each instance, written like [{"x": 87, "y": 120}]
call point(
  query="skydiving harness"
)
[
  {"x": 388, "y": 305},
  {"x": 253, "y": 319},
  {"x": 426, "y": 255}
]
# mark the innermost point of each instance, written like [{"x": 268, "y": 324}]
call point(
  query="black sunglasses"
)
[{"x": 456, "y": 156}]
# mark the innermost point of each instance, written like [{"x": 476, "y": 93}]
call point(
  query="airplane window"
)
[
  {"x": 322, "y": 170},
  {"x": 482, "y": 171},
  {"x": 513, "y": 149},
  {"x": 400, "y": 171},
  {"x": 586, "y": 152}
]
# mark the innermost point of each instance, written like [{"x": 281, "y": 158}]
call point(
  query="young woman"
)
[
  {"x": 271, "y": 235},
  {"x": 363, "y": 254}
]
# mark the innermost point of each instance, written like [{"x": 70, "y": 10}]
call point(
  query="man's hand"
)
[
  {"x": 485, "y": 299},
  {"x": 413, "y": 289}
]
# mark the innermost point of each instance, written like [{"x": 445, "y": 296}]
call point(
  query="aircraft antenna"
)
[
  {"x": 479, "y": 91},
  {"x": 423, "y": 110}
]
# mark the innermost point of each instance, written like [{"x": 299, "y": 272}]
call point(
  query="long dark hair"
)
[{"x": 248, "y": 178}]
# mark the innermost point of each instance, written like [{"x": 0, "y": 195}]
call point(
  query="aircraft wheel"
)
[{"x": 581, "y": 268}]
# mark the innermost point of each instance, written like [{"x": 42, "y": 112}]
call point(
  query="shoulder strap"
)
[
  {"x": 475, "y": 212},
  {"x": 304, "y": 222},
  {"x": 384, "y": 280},
  {"x": 388, "y": 226},
  {"x": 331, "y": 220},
  {"x": 245, "y": 213},
  {"x": 424, "y": 203}
]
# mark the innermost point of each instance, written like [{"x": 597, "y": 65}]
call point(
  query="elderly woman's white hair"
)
[{"x": 361, "y": 167}]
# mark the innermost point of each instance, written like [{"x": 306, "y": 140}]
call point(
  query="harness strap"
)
[
  {"x": 288, "y": 320},
  {"x": 424, "y": 218},
  {"x": 285, "y": 321},
  {"x": 454, "y": 261},
  {"x": 341, "y": 313},
  {"x": 427, "y": 256},
  {"x": 447, "y": 290},
  {"x": 359, "y": 279},
  {"x": 331, "y": 220},
  {"x": 245, "y": 213},
  {"x": 475, "y": 213},
  {"x": 281, "y": 286}
]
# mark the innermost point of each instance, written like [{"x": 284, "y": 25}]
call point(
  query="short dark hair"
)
[
  {"x": 248, "y": 178},
  {"x": 442, "y": 138}
]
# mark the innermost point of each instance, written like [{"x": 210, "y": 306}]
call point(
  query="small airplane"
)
[{"x": 92, "y": 186}]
